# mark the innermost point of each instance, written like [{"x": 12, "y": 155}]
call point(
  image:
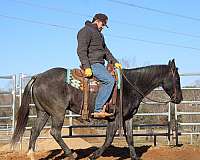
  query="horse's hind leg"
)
[
  {"x": 41, "y": 120},
  {"x": 57, "y": 123},
  {"x": 128, "y": 129}
]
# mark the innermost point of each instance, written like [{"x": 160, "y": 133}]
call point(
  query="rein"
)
[
  {"x": 142, "y": 94},
  {"x": 174, "y": 84}
]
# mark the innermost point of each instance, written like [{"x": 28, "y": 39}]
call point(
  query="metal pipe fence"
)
[
  {"x": 179, "y": 113},
  {"x": 9, "y": 120},
  {"x": 179, "y": 124},
  {"x": 23, "y": 79}
]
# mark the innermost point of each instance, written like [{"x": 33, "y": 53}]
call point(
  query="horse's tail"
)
[{"x": 23, "y": 113}]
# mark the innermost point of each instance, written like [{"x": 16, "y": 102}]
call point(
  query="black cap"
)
[{"x": 102, "y": 17}]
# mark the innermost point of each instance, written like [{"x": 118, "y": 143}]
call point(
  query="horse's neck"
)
[{"x": 148, "y": 78}]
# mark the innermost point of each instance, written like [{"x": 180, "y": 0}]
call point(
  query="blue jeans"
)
[{"x": 106, "y": 85}]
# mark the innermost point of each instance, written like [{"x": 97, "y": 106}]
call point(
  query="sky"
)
[{"x": 38, "y": 35}]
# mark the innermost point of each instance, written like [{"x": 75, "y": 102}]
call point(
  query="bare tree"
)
[{"x": 128, "y": 62}]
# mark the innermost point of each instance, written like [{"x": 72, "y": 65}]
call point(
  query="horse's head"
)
[{"x": 171, "y": 83}]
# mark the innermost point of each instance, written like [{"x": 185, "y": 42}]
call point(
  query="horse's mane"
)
[{"x": 147, "y": 74}]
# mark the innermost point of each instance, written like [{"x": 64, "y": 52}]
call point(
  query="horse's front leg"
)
[
  {"x": 128, "y": 130},
  {"x": 110, "y": 133}
]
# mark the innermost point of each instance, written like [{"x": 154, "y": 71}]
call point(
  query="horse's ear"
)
[
  {"x": 173, "y": 65},
  {"x": 169, "y": 63}
]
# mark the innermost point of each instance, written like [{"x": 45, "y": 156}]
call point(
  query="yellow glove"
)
[
  {"x": 118, "y": 65},
  {"x": 88, "y": 72}
]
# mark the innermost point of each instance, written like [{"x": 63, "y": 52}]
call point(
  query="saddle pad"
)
[{"x": 71, "y": 80}]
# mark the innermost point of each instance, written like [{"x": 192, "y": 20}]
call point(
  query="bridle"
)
[{"x": 173, "y": 97}]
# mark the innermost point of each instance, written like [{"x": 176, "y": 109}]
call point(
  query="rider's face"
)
[{"x": 101, "y": 25}]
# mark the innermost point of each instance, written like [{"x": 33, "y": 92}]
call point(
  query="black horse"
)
[{"x": 52, "y": 97}]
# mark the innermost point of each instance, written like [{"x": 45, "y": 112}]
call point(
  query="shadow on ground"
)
[{"x": 112, "y": 151}]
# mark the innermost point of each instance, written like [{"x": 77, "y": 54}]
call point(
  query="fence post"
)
[
  {"x": 13, "y": 102},
  {"x": 154, "y": 140},
  {"x": 176, "y": 125}
]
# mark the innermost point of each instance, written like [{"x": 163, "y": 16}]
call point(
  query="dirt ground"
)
[
  {"x": 48, "y": 149},
  {"x": 83, "y": 150}
]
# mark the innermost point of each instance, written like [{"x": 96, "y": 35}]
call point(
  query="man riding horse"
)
[
  {"x": 52, "y": 96},
  {"x": 92, "y": 52}
]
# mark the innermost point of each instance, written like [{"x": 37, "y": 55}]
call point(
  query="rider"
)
[{"x": 92, "y": 52}]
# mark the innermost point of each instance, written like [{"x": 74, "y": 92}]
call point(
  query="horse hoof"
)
[
  {"x": 30, "y": 154},
  {"x": 135, "y": 158},
  {"x": 68, "y": 158},
  {"x": 92, "y": 157},
  {"x": 71, "y": 156},
  {"x": 74, "y": 155}
]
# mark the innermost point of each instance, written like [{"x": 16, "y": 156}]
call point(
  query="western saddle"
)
[{"x": 92, "y": 85}]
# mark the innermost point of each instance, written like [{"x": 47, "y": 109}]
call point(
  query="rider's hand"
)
[
  {"x": 118, "y": 65},
  {"x": 88, "y": 72}
]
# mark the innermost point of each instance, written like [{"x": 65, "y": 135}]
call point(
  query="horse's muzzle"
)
[{"x": 177, "y": 99}]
